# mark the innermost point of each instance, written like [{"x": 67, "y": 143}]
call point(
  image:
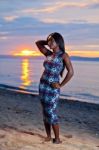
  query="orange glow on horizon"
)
[
  {"x": 83, "y": 53},
  {"x": 27, "y": 52}
]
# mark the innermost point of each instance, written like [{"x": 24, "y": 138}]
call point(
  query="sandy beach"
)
[{"x": 21, "y": 125}]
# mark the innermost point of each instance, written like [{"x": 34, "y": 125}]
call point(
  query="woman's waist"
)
[
  {"x": 50, "y": 74},
  {"x": 49, "y": 79},
  {"x": 47, "y": 83}
]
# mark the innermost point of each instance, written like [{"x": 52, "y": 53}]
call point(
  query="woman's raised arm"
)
[{"x": 41, "y": 46}]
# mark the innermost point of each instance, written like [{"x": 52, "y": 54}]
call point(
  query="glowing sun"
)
[{"x": 27, "y": 52}]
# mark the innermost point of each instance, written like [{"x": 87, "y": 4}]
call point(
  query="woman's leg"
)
[
  {"x": 55, "y": 124},
  {"x": 48, "y": 130},
  {"x": 56, "y": 130},
  {"x": 46, "y": 124},
  {"x": 56, "y": 140}
]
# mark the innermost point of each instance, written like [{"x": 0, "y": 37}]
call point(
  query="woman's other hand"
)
[{"x": 55, "y": 85}]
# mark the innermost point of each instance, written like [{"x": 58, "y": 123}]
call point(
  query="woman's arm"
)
[
  {"x": 41, "y": 46},
  {"x": 69, "y": 67},
  {"x": 69, "y": 74}
]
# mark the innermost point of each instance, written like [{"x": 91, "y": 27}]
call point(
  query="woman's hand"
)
[{"x": 55, "y": 85}]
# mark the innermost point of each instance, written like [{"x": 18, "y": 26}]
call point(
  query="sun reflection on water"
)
[{"x": 25, "y": 76}]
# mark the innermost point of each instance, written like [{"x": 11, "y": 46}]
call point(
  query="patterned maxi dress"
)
[{"x": 49, "y": 96}]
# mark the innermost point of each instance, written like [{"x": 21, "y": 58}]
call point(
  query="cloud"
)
[
  {"x": 53, "y": 8},
  {"x": 10, "y": 18},
  {"x": 94, "y": 6},
  {"x": 57, "y": 11},
  {"x": 24, "y": 21},
  {"x": 75, "y": 32},
  {"x": 19, "y": 8},
  {"x": 60, "y": 5}
]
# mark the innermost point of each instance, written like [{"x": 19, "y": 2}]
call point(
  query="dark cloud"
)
[
  {"x": 27, "y": 29},
  {"x": 28, "y": 26}
]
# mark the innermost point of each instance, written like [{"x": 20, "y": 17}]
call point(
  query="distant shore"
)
[
  {"x": 74, "y": 58},
  {"x": 21, "y": 115}
]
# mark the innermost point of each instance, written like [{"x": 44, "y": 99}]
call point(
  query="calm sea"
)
[{"x": 25, "y": 73}]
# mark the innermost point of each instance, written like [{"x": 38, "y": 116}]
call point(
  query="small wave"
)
[
  {"x": 13, "y": 88},
  {"x": 62, "y": 96}
]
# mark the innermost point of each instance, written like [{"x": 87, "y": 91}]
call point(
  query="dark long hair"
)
[{"x": 60, "y": 42}]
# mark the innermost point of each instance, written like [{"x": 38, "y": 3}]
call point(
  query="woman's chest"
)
[{"x": 52, "y": 62}]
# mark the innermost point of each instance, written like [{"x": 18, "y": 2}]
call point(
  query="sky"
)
[{"x": 22, "y": 22}]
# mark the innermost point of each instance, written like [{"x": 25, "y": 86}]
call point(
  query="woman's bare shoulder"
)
[{"x": 65, "y": 55}]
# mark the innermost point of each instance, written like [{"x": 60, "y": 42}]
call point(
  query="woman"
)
[{"x": 49, "y": 87}]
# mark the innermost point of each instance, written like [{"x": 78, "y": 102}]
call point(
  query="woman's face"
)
[{"x": 51, "y": 43}]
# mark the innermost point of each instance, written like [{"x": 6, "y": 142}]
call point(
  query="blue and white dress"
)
[{"x": 49, "y": 95}]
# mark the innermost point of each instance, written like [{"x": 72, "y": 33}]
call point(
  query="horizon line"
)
[{"x": 43, "y": 55}]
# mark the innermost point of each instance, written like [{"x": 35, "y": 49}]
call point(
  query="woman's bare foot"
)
[
  {"x": 57, "y": 141},
  {"x": 47, "y": 139}
]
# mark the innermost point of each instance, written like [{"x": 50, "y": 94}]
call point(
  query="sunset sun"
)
[{"x": 27, "y": 52}]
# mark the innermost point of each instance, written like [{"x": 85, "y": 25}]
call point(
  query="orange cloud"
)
[
  {"x": 56, "y": 7},
  {"x": 83, "y": 53},
  {"x": 10, "y": 18}
]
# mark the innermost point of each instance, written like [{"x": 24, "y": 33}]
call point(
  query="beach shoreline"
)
[{"x": 21, "y": 114}]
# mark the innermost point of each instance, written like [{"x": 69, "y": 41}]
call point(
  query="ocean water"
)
[{"x": 25, "y": 73}]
